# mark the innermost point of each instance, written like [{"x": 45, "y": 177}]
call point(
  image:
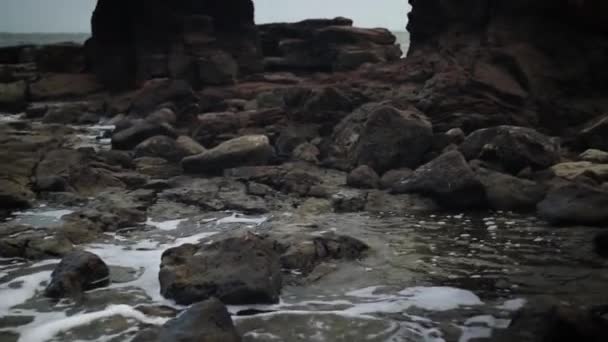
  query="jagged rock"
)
[
  {"x": 242, "y": 269},
  {"x": 363, "y": 177},
  {"x": 160, "y": 146},
  {"x": 506, "y": 192},
  {"x": 208, "y": 321},
  {"x": 595, "y": 156},
  {"x": 128, "y": 138},
  {"x": 77, "y": 272},
  {"x": 383, "y": 137},
  {"x": 13, "y": 96},
  {"x": 575, "y": 203},
  {"x": 392, "y": 177},
  {"x": 242, "y": 151},
  {"x": 449, "y": 180},
  {"x": 63, "y": 86},
  {"x": 512, "y": 148}
]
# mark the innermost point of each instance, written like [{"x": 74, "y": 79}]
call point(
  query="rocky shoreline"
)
[{"x": 272, "y": 146}]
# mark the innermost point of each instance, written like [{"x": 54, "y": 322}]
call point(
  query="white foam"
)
[
  {"x": 513, "y": 304},
  {"x": 46, "y": 331},
  {"x": 165, "y": 225},
  {"x": 54, "y": 214},
  {"x": 235, "y": 218},
  {"x": 15, "y": 295}
]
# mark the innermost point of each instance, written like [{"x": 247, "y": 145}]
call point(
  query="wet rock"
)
[
  {"x": 392, "y": 177},
  {"x": 349, "y": 201},
  {"x": 363, "y": 177},
  {"x": 449, "y": 180},
  {"x": 594, "y": 134},
  {"x": 506, "y": 192},
  {"x": 574, "y": 170},
  {"x": 512, "y": 148},
  {"x": 14, "y": 195},
  {"x": 383, "y": 202},
  {"x": 128, "y": 138},
  {"x": 77, "y": 272},
  {"x": 68, "y": 114},
  {"x": 63, "y": 86},
  {"x": 575, "y": 203},
  {"x": 189, "y": 146},
  {"x": 52, "y": 183},
  {"x": 208, "y": 321},
  {"x": 243, "y": 151},
  {"x": 160, "y": 146},
  {"x": 13, "y": 96},
  {"x": 601, "y": 244},
  {"x": 106, "y": 217},
  {"x": 383, "y": 137},
  {"x": 241, "y": 269},
  {"x": 19, "y": 241},
  {"x": 595, "y": 156}
]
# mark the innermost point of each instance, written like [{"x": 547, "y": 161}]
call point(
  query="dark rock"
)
[
  {"x": 158, "y": 168},
  {"x": 242, "y": 269},
  {"x": 363, "y": 177},
  {"x": 68, "y": 113},
  {"x": 243, "y": 151},
  {"x": 189, "y": 146},
  {"x": 19, "y": 241},
  {"x": 383, "y": 202},
  {"x": 306, "y": 152},
  {"x": 392, "y": 177},
  {"x": 161, "y": 116},
  {"x": 383, "y": 137},
  {"x": 506, "y": 192},
  {"x": 449, "y": 180},
  {"x": 512, "y": 148},
  {"x": 128, "y": 138},
  {"x": 208, "y": 321},
  {"x": 77, "y": 272},
  {"x": 601, "y": 244},
  {"x": 13, "y": 96},
  {"x": 349, "y": 201},
  {"x": 594, "y": 134},
  {"x": 62, "y": 58},
  {"x": 63, "y": 86},
  {"x": 217, "y": 68},
  {"x": 160, "y": 146},
  {"x": 575, "y": 203},
  {"x": 52, "y": 184}
]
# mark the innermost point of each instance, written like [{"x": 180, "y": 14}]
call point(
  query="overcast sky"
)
[{"x": 74, "y": 15}]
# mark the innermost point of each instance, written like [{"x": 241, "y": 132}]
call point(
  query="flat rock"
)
[{"x": 573, "y": 170}]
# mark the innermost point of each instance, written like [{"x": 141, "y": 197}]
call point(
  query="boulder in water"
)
[
  {"x": 575, "y": 203},
  {"x": 77, "y": 272}
]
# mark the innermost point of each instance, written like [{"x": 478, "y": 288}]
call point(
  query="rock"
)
[
  {"x": 601, "y": 244},
  {"x": 162, "y": 116},
  {"x": 449, "y": 180},
  {"x": 242, "y": 151},
  {"x": 575, "y": 203},
  {"x": 189, "y": 146},
  {"x": 392, "y": 177},
  {"x": 160, "y": 146},
  {"x": 506, "y": 192},
  {"x": 594, "y": 134},
  {"x": 20, "y": 241},
  {"x": 306, "y": 152},
  {"x": 157, "y": 168},
  {"x": 128, "y": 138},
  {"x": 595, "y": 156},
  {"x": 218, "y": 68},
  {"x": 69, "y": 113},
  {"x": 77, "y": 272},
  {"x": 63, "y": 58},
  {"x": 208, "y": 321},
  {"x": 349, "y": 201},
  {"x": 382, "y": 202},
  {"x": 350, "y": 35},
  {"x": 52, "y": 183},
  {"x": 241, "y": 269},
  {"x": 63, "y": 86},
  {"x": 574, "y": 170},
  {"x": 363, "y": 177},
  {"x": 512, "y": 148},
  {"x": 383, "y": 137},
  {"x": 14, "y": 195},
  {"x": 455, "y": 135},
  {"x": 13, "y": 96}
]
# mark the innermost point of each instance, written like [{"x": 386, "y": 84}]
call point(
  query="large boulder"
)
[
  {"x": 575, "y": 203},
  {"x": 77, "y": 272},
  {"x": 208, "y": 321},
  {"x": 247, "y": 150},
  {"x": 573, "y": 170},
  {"x": 363, "y": 177},
  {"x": 512, "y": 148},
  {"x": 383, "y": 137},
  {"x": 241, "y": 269},
  {"x": 129, "y": 138},
  {"x": 449, "y": 180},
  {"x": 506, "y": 192}
]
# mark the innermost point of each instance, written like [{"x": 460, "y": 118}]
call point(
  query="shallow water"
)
[{"x": 428, "y": 278}]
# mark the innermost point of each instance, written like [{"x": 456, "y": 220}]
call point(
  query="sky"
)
[{"x": 54, "y": 16}]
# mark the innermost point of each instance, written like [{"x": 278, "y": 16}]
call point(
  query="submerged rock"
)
[
  {"x": 208, "y": 321},
  {"x": 242, "y": 151},
  {"x": 77, "y": 272},
  {"x": 449, "y": 180},
  {"x": 512, "y": 148},
  {"x": 575, "y": 203},
  {"x": 241, "y": 269}
]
